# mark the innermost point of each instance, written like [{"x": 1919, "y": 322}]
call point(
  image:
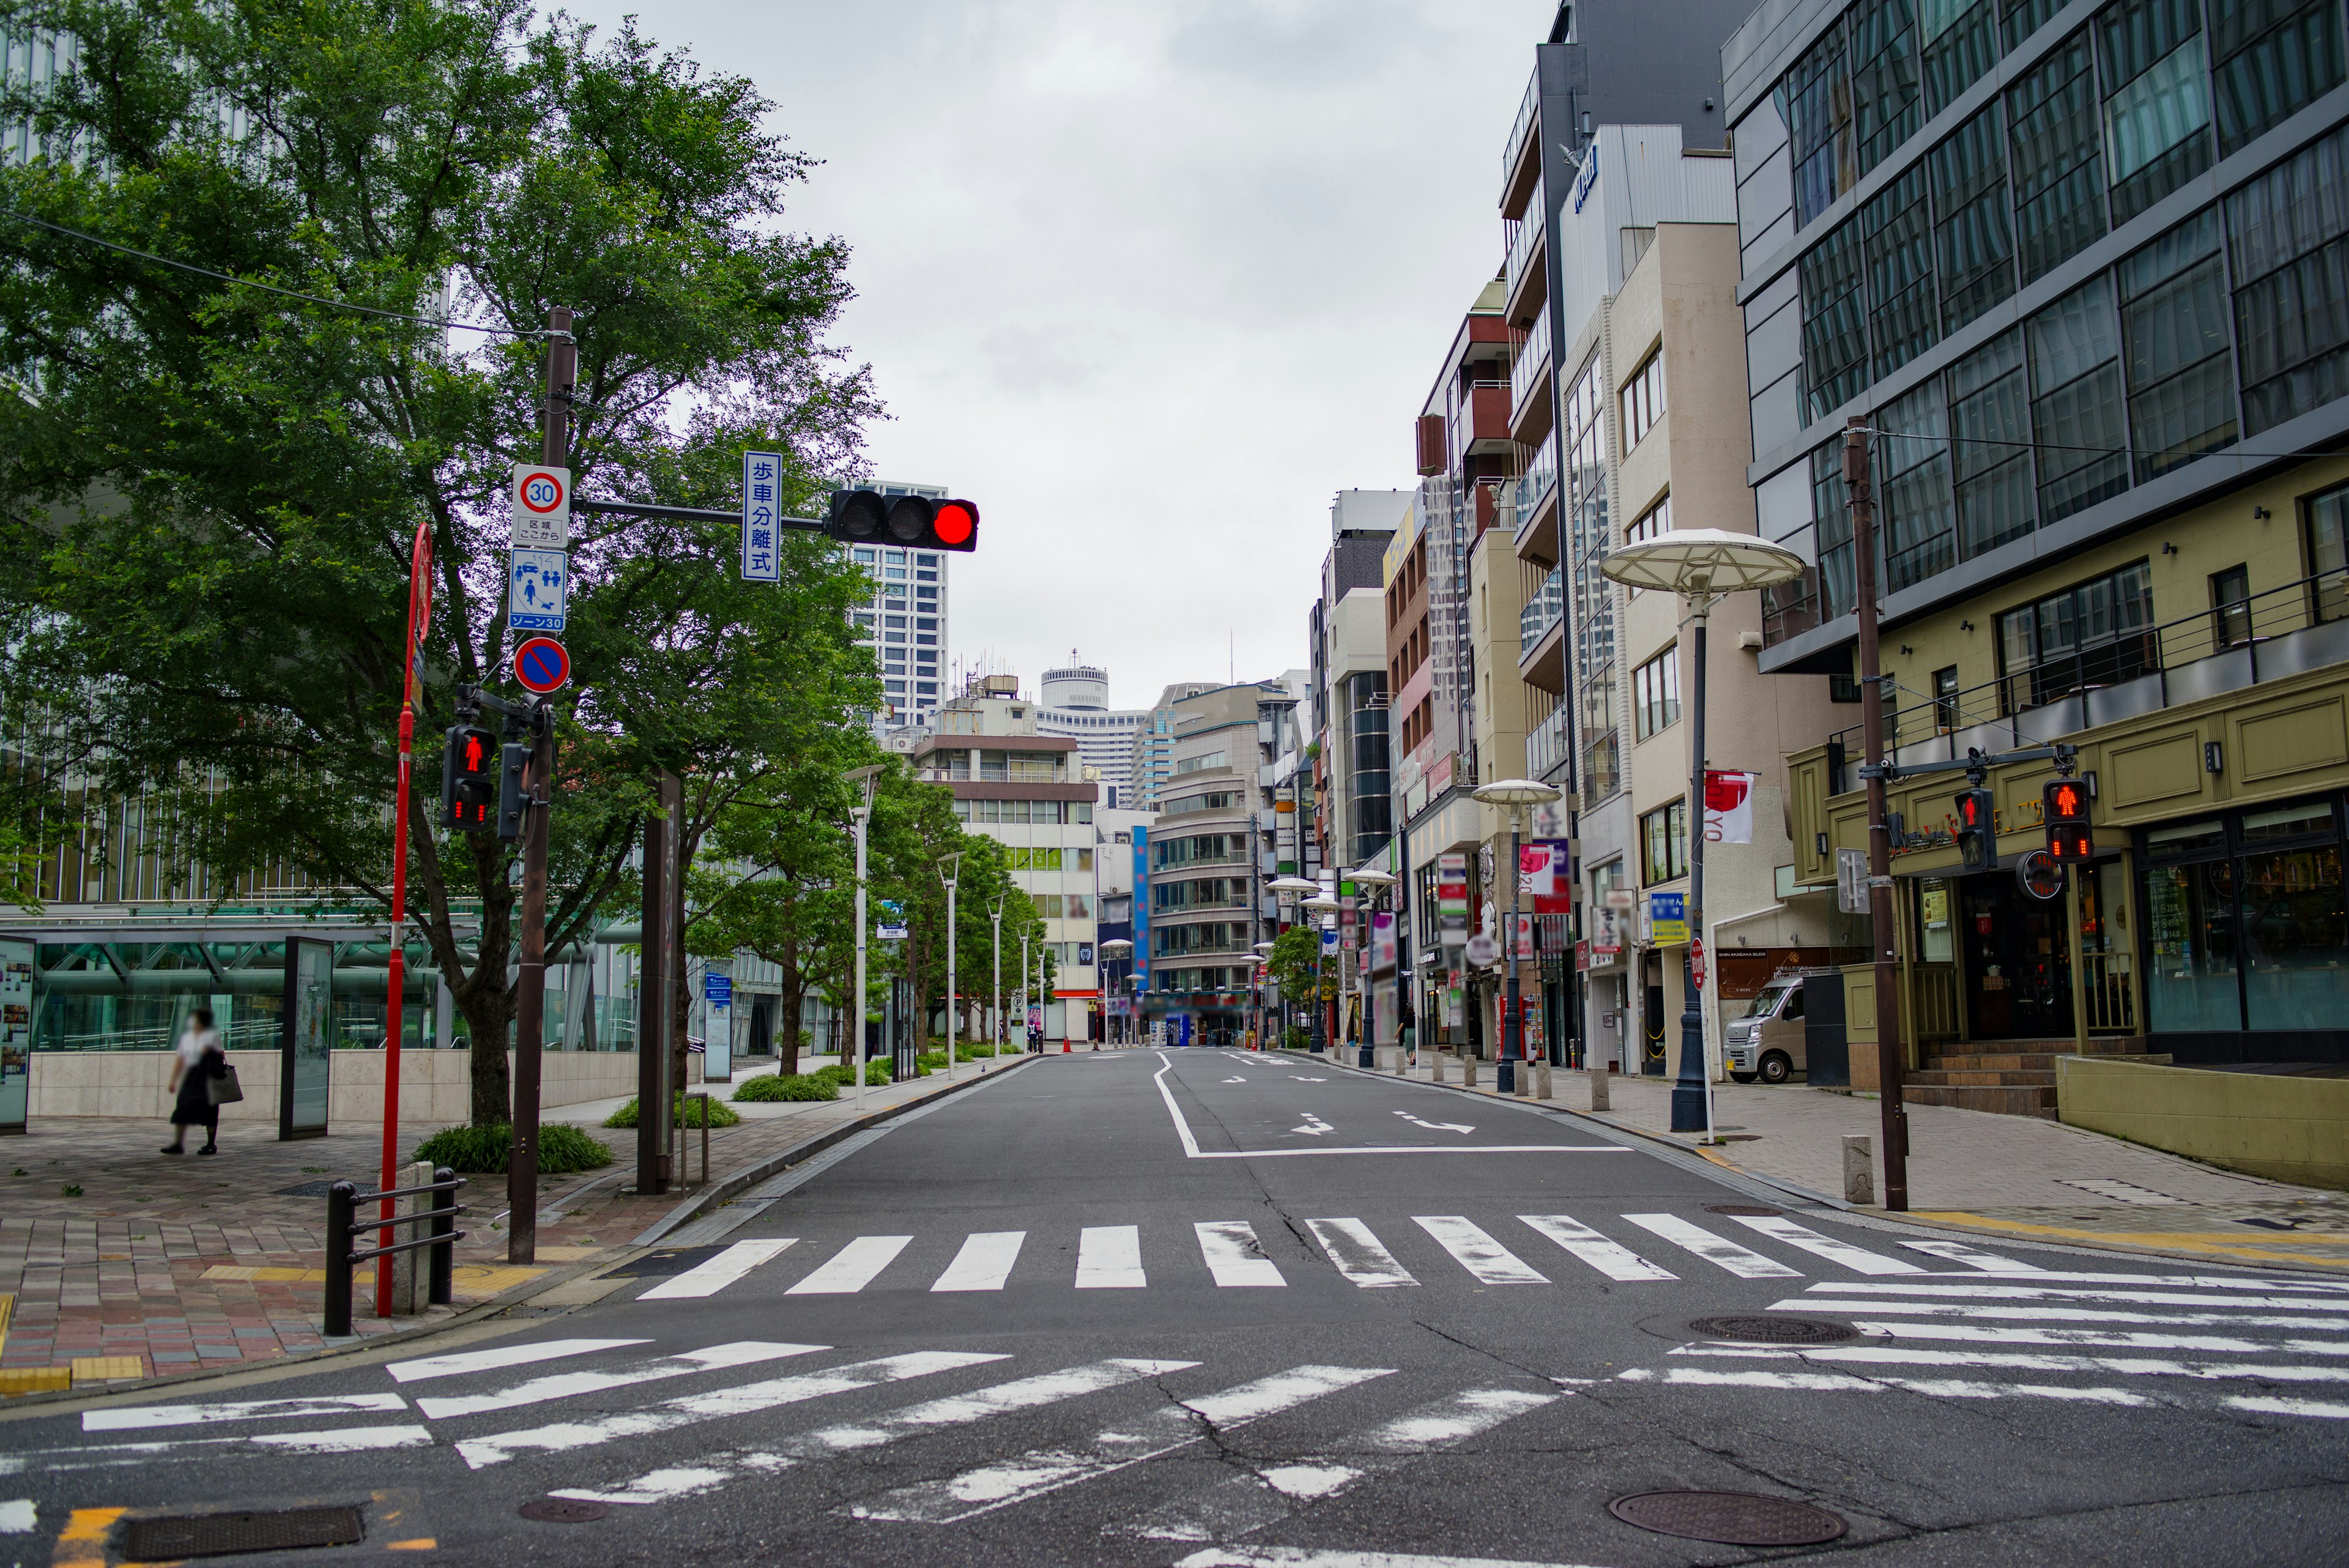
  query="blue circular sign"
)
[{"x": 542, "y": 666}]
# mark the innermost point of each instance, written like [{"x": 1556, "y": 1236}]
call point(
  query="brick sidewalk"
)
[
  {"x": 2018, "y": 1175},
  {"x": 160, "y": 1264}
]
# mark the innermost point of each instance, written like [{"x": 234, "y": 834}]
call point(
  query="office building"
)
[{"x": 1075, "y": 703}]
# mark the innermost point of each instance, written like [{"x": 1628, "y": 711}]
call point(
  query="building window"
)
[
  {"x": 1643, "y": 398},
  {"x": 1914, "y": 456},
  {"x": 1973, "y": 247},
  {"x": 2076, "y": 400},
  {"x": 1990, "y": 454},
  {"x": 2230, "y": 606},
  {"x": 1959, "y": 42},
  {"x": 2271, "y": 61},
  {"x": 2156, "y": 99},
  {"x": 2288, "y": 239},
  {"x": 2181, "y": 382},
  {"x": 1815, "y": 100},
  {"x": 1839, "y": 586},
  {"x": 2245, "y": 921},
  {"x": 1945, "y": 699},
  {"x": 1904, "y": 320},
  {"x": 1663, "y": 844},
  {"x": 1835, "y": 324},
  {"x": 1884, "y": 86},
  {"x": 2098, "y": 634},
  {"x": 2321, "y": 525},
  {"x": 1655, "y": 520},
  {"x": 2054, "y": 147},
  {"x": 1656, "y": 694}
]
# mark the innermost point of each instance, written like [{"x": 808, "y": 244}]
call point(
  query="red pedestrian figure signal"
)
[
  {"x": 2063, "y": 805},
  {"x": 469, "y": 780},
  {"x": 1977, "y": 838}
]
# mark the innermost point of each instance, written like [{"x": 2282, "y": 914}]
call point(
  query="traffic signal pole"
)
[
  {"x": 529, "y": 988},
  {"x": 419, "y": 615}
]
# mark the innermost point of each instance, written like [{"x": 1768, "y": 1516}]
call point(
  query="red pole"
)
[{"x": 420, "y": 614}]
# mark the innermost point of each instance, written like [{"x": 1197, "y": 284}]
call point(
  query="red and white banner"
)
[
  {"x": 1729, "y": 807},
  {"x": 1544, "y": 871}
]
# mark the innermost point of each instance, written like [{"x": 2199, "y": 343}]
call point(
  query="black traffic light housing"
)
[
  {"x": 1976, "y": 830},
  {"x": 913, "y": 521},
  {"x": 514, "y": 763},
  {"x": 469, "y": 779},
  {"x": 2063, "y": 805}
]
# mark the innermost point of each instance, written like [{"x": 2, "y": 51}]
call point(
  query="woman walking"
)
[{"x": 200, "y": 1060}]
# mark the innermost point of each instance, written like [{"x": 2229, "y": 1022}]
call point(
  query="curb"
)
[
  {"x": 1693, "y": 1158},
  {"x": 736, "y": 1182}
]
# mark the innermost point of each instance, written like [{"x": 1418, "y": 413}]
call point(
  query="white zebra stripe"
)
[
  {"x": 569, "y": 1384},
  {"x": 1233, "y": 1255},
  {"x": 1609, "y": 1258},
  {"x": 1859, "y": 1260},
  {"x": 1476, "y": 1250},
  {"x": 1359, "y": 1254},
  {"x": 1958, "y": 1252},
  {"x": 1991, "y": 1313},
  {"x": 1718, "y": 1251},
  {"x": 852, "y": 1268},
  {"x": 1109, "y": 1258},
  {"x": 985, "y": 1262},
  {"x": 711, "y": 1275},
  {"x": 2027, "y": 1361}
]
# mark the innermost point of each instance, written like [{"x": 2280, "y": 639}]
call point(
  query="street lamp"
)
[
  {"x": 861, "y": 815},
  {"x": 1378, "y": 882},
  {"x": 995, "y": 918},
  {"x": 950, "y": 866},
  {"x": 1701, "y": 565},
  {"x": 1517, "y": 795},
  {"x": 1116, "y": 947},
  {"x": 1262, "y": 1026}
]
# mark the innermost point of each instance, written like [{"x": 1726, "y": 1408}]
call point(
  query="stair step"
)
[
  {"x": 2012, "y": 1102},
  {"x": 1996, "y": 1061},
  {"x": 1999, "y": 1078}
]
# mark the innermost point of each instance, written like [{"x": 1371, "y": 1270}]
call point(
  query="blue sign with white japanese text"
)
[{"x": 762, "y": 475}]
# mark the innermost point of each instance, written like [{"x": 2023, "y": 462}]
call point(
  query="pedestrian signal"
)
[
  {"x": 513, "y": 763},
  {"x": 1977, "y": 836},
  {"x": 2063, "y": 805},
  {"x": 469, "y": 780},
  {"x": 916, "y": 521}
]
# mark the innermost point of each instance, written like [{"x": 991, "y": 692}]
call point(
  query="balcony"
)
[
  {"x": 1541, "y": 635},
  {"x": 1523, "y": 241},
  {"x": 1543, "y": 609},
  {"x": 1537, "y": 505},
  {"x": 1530, "y": 375},
  {"x": 1480, "y": 423},
  {"x": 1521, "y": 154},
  {"x": 1546, "y": 747}
]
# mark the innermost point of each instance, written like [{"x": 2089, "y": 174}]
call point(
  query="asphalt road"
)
[{"x": 1206, "y": 1308}]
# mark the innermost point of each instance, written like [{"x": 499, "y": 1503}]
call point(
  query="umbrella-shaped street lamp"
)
[{"x": 1517, "y": 795}]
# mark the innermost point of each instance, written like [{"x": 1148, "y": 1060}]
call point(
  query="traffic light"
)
[
  {"x": 469, "y": 775},
  {"x": 916, "y": 521},
  {"x": 2063, "y": 805},
  {"x": 1977, "y": 834},
  {"x": 513, "y": 761}
]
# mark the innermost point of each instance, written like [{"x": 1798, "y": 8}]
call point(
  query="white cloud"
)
[{"x": 1149, "y": 284}]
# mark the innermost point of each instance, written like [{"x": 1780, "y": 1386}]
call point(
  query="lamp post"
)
[
  {"x": 861, "y": 815},
  {"x": 1379, "y": 882},
  {"x": 1024, "y": 1042},
  {"x": 1263, "y": 957},
  {"x": 1290, "y": 888},
  {"x": 951, "y": 866},
  {"x": 995, "y": 919},
  {"x": 1517, "y": 795},
  {"x": 1320, "y": 907},
  {"x": 1116, "y": 947},
  {"x": 1701, "y": 565}
]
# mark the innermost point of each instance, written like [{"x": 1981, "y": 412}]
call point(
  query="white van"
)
[{"x": 1765, "y": 1041}]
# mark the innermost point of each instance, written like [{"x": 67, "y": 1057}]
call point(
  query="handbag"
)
[{"x": 221, "y": 1086}]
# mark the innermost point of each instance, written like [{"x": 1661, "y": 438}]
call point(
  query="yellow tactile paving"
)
[
  {"x": 107, "y": 1369},
  {"x": 2218, "y": 1244},
  {"x": 82, "y": 1542},
  {"x": 35, "y": 1380}
]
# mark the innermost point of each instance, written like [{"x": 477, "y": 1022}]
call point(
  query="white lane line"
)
[
  {"x": 1109, "y": 1258},
  {"x": 109, "y": 1456},
  {"x": 1478, "y": 1252},
  {"x": 1161, "y": 1431},
  {"x": 2029, "y": 1361},
  {"x": 147, "y": 1418},
  {"x": 1996, "y": 1314},
  {"x": 2035, "y": 1291},
  {"x": 1859, "y": 1260},
  {"x": 504, "y": 1356},
  {"x": 1840, "y": 1383},
  {"x": 1609, "y": 1258},
  {"x": 2119, "y": 1339},
  {"x": 713, "y": 1275},
  {"x": 570, "y": 1384},
  {"x": 18, "y": 1516},
  {"x": 985, "y": 1262},
  {"x": 2272, "y": 1406},
  {"x": 1359, "y": 1254},
  {"x": 957, "y": 1410},
  {"x": 567, "y": 1437},
  {"x": 852, "y": 1268},
  {"x": 1234, "y": 1505},
  {"x": 1958, "y": 1252},
  {"x": 1235, "y": 1256},
  {"x": 1718, "y": 1251},
  {"x": 1306, "y": 1557}
]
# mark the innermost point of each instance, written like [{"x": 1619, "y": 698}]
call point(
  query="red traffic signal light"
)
[
  {"x": 916, "y": 521},
  {"x": 2063, "y": 805},
  {"x": 1977, "y": 836},
  {"x": 469, "y": 780}
]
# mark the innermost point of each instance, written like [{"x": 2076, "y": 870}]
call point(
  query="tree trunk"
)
[{"x": 795, "y": 998}]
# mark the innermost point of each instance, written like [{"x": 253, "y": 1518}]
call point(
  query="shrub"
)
[
  {"x": 789, "y": 1087},
  {"x": 877, "y": 1075},
  {"x": 839, "y": 1073},
  {"x": 972, "y": 1053},
  {"x": 688, "y": 1114},
  {"x": 485, "y": 1151},
  {"x": 1296, "y": 1038}
]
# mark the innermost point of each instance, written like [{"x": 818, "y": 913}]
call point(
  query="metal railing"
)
[
  {"x": 1523, "y": 234},
  {"x": 2111, "y": 1001},
  {"x": 1542, "y": 611},
  {"x": 1546, "y": 745},
  {"x": 2302, "y": 626},
  {"x": 343, "y": 1197},
  {"x": 1533, "y": 354},
  {"x": 1526, "y": 112}
]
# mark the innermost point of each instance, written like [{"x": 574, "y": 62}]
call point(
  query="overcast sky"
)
[{"x": 1148, "y": 283}]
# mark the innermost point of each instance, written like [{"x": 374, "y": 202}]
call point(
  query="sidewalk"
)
[
  {"x": 124, "y": 1263},
  {"x": 2012, "y": 1175}
]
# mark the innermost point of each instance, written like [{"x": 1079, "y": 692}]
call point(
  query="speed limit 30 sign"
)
[{"x": 540, "y": 503}]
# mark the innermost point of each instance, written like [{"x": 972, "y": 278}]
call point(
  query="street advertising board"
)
[
  {"x": 718, "y": 989},
  {"x": 1452, "y": 898},
  {"x": 1525, "y": 934},
  {"x": 891, "y": 924},
  {"x": 1668, "y": 919},
  {"x": 1483, "y": 950},
  {"x": 539, "y": 507},
  {"x": 762, "y": 475},
  {"x": 1383, "y": 943},
  {"x": 17, "y": 959},
  {"x": 537, "y": 583},
  {"x": 1606, "y": 931}
]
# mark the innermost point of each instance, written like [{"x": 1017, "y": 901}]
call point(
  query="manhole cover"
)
[
  {"x": 1730, "y": 1518},
  {"x": 565, "y": 1511},
  {"x": 1772, "y": 1329},
  {"x": 224, "y": 1534},
  {"x": 1754, "y": 1209}
]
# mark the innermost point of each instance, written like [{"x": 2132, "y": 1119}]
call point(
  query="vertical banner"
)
[
  {"x": 762, "y": 475},
  {"x": 1729, "y": 807},
  {"x": 17, "y": 959},
  {"x": 1452, "y": 898}
]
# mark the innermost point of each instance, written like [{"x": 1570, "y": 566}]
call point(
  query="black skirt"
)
[{"x": 194, "y": 1106}]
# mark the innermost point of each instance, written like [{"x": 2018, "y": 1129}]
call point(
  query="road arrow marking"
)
[
  {"x": 1437, "y": 1127},
  {"x": 1314, "y": 1126}
]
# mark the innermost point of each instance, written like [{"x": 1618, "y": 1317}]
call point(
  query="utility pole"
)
[
  {"x": 861, "y": 815},
  {"x": 529, "y": 990},
  {"x": 652, "y": 999},
  {"x": 1860, "y": 483},
  {"x": 1024, "y": 1044},
  {"x": 953, "y": 864},
  {"x": 995, "y": 918}
]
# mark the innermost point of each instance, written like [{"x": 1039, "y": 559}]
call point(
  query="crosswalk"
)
[{"x": 1529, "y": 1249}]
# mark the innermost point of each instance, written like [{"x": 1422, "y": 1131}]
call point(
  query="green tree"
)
[{"x": 208, "y": 490}]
